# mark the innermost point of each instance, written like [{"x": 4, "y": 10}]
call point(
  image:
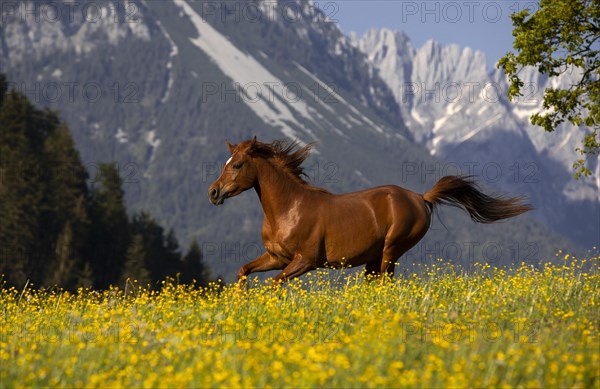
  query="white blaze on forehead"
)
[{"x": 229, "y": 160}]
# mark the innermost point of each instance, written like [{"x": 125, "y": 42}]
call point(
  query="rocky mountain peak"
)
[{"x": 459, "y": 111}]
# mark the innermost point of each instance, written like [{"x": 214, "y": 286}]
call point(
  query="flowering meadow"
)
[{"x": 521, "y": 327}]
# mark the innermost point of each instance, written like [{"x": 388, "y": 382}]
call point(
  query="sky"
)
[{"x": 481, "y": 25}]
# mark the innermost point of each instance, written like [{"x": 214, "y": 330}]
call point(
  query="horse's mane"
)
[{"x": 288, "y": 155}]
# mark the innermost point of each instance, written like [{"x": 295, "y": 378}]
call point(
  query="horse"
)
[{"x": 307, "y": 227}]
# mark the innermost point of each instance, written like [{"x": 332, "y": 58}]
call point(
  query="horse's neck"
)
[{"x": 276, "y": 190}]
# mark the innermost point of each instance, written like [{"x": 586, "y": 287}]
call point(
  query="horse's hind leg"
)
[{"x": 391, "y": 253}]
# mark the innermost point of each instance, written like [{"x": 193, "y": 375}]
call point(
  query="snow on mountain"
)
[
  {"x": 173, "y": 53},
  {"x": 186, "y": 75},
  {"x": 356, "y": 116},
  {"x": 245, "y": 70},
  {"x": 459, "y": 111}
]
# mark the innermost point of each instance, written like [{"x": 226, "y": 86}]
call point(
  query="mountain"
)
[
  {"x": 459, "y": 111},
  {"x": 157, "y": 86}
]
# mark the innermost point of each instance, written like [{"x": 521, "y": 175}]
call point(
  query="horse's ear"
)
[
  {"x": 231, "y": 147},
  {"x": 252, "y": 143}
]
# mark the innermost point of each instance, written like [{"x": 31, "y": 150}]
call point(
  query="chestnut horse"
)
[{"x": 306, "y": 228}]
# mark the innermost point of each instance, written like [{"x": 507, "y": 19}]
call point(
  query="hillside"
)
[{"x": 157, "y": 86}]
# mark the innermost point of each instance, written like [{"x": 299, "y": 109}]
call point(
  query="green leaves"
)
[{"x": 561, "y": 36}]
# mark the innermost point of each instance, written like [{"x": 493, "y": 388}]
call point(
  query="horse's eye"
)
[{"x": 238, "y": 165}]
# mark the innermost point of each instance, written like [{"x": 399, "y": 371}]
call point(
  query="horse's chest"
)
[
  {"x": 279, "y": 245},
  {"x": 281, "y": 236}
]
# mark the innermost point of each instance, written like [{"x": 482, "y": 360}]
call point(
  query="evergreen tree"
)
[
  {"x": 194, "y": 268},
  {"x": 3, "y": 87},
  {"x": 53, "y": 229},
  {"x": 135, "y": 265},
  {"x": 65, "y": 201},
  {"x": 20, "y": 190},
  {"x": 65, "y": 174},
  {"x": 83, "y": 268},
  {"x": 43, "y": 209},
  {"x": 64, "y": 263},
  {"x": 109, "y": 229},
  {"x": 163, "y": 257},
  {"x": 84, "y": 277}
]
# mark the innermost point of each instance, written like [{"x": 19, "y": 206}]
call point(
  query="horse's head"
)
[{"x": 239, "y": 173}]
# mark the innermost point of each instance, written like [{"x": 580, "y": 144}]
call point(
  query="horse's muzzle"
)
[{"x": 215, "y": 196}]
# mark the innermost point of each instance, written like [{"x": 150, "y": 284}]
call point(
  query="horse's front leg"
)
[
  {"x": 296, "y": 268},
  {"x": 265, "y": 262}
]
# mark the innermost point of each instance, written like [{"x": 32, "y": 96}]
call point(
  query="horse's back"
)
[
  {"x": 398, "y": 206},
  {"x": 383, "y": 205},
  {"x": 392, "y": 193}
]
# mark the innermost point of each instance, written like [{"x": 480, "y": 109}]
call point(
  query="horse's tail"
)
[{"x": 463, "y": 193}]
